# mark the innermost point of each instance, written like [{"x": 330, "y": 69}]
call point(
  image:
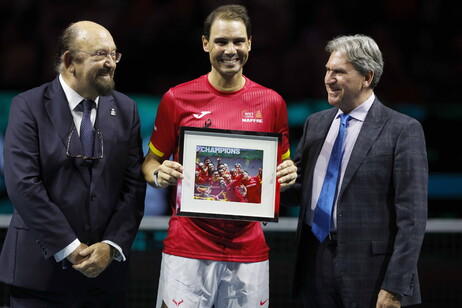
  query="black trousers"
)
[
  {"x": 323, "y": 287},
  {"x": 94, "y": 297}
]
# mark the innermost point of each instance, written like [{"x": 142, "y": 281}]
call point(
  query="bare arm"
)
[{"x": 168, "y": 172}]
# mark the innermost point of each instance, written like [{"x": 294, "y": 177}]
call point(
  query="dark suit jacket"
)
[
  {"x": 54, "y": 199},
  {"x": 382, "y": 204}
]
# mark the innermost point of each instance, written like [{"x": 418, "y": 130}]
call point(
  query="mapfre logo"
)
[{"x": 252, "y": 117}]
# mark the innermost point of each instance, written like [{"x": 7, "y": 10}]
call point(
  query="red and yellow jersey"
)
[{"x": 196, "y": 103}]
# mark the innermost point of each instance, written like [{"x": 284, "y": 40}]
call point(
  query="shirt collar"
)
[
  {"x": 73, "y": 98},
  {"x": 360, "y": 112}
]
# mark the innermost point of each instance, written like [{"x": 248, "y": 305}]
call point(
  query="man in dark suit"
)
[
  {"x": 77, "y": 205},
  {"x": 360, "y": 249}
]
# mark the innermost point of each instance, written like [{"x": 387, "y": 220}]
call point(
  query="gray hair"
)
[
  {"x": 362, "y": 51},
  {"x": 65, "y": 43}
]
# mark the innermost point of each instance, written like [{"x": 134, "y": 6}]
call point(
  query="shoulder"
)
[
  {"x": 328, "y": 113},
  {"x": 36, "y": 93},
  {"x": 121, "y": 97},
  {"x": 393, "y": 115},
  {"x": 316, "y": 120},
  {"x": 188, "y": 89},
  {"x": 256, "y": 87},
  {"x": 191, "y": 84},
  {"x": 255, "y": 90},
  {"x": 394, "y": 122},
  {"x": 35, "y": 98}
]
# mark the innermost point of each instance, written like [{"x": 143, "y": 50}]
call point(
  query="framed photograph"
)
[{"x": 228, "y": 174}]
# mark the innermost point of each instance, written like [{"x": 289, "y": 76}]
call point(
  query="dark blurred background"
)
[{"x": 160, "y": 40}]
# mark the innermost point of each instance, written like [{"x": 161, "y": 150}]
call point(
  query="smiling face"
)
[
  {"x": 228, "y": 48},
  {"x": 92, "y": 77},
  {"x": 346, "y": 87}
]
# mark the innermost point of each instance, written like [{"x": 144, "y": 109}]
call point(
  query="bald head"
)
[
  {"x": 87, "y": 59},
  {"x": 89, "y": 32},
  {"x": 80, "y": 35},
  {"x": 86, "y": 25}
]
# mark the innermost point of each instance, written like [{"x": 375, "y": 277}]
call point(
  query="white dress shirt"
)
[
  {"x": 74, "y": 99},
  {"x": 358, "y": 115}
]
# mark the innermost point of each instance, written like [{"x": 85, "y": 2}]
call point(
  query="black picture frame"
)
[{"x": 254, "y": 157}]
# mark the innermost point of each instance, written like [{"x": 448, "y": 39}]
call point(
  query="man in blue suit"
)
[
  {"x": 362, "y": 249},
  {"x": 77, "y": 205}
]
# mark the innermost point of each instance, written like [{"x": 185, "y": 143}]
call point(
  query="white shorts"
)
[{"x": 194, "y": 283}]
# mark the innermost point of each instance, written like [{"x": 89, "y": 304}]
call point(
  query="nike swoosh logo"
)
[
  {"x": 263, "y": 302},
  {"x": 203, "y": 113}
]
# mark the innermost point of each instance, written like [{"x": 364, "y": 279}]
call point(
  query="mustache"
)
[{"x": 104, "y": 71}]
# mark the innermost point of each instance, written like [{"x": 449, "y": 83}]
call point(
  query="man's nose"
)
[
  {"x": 230, "y": 49},
  {"x": 329, "y": 78}
]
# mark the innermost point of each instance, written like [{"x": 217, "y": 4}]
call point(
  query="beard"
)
[{"x": 104, "y": 87}]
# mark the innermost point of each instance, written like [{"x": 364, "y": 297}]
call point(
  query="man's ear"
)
[
  {"x": 250, "y": 43},
  {"x": 205, "y": 44},
  {"x": 68, "y": 61},
  {"x": 368, "y": 79}
]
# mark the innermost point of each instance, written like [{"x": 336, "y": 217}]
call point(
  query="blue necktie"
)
[
  {"x": 323, "y": 211},
  {"x": 87, "y": 135}
]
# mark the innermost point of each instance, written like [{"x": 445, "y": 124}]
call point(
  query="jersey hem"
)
[{"x": 223, "y": 258}]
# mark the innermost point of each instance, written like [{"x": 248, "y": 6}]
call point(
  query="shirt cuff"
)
[
  {"x": 63, "y": 253},
  {"x": 119, "y": 256}
]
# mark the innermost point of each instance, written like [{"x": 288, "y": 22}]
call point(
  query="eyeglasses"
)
[
  {"x": 103, "y": 54},
  {"x": 74, "y": 148}
]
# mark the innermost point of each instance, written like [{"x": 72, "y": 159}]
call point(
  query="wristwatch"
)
[{"x": 156, "y": 175}]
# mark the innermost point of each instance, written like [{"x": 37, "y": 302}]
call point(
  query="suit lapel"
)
[
  {"x": 312, "y": 151},
  {"x": 57, "y": 108},
  {"x": 322, "y": 128},
  {"x": 106, "y": 120},
  {"x": 373, "y": 125}
]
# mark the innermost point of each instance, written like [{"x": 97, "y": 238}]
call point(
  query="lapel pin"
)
[{"x": 113, "y": 112}]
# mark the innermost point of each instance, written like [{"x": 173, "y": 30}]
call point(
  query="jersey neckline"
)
[{"x": 224, "y": 93}]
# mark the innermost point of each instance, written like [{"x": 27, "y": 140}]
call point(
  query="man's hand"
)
[
  {"x": 96, "y": 258},
  {"x": 287, "y": 174},
  {"x": 168, "y": 173},
  {"x": 75, "y": 257},
  {"x": 387, "y": 300}
]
